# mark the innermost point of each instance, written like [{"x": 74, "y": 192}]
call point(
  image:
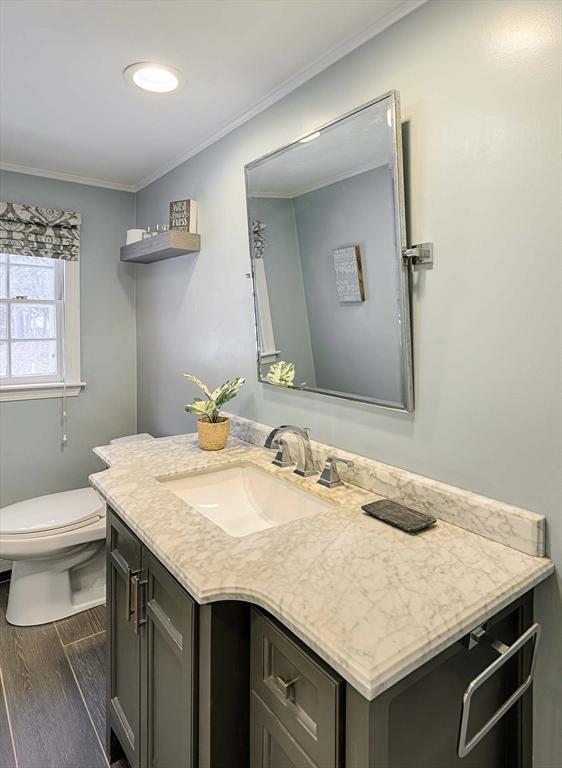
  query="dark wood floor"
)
[{"x": 52, "y": 692}]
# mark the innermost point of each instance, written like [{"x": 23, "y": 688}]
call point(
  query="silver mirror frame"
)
[{"x": 402, "y": 264}]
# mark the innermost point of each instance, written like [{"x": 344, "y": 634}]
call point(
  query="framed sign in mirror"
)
[{"x": 330, "y": 270}]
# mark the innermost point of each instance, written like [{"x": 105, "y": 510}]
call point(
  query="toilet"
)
[{"x": 57, "y": 545}]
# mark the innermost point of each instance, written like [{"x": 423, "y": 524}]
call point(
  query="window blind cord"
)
[{"x": 64, "y": 435}]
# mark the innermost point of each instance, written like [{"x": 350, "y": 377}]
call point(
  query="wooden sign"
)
[
  {"x": 183, "y": 216},
  {"x": 349, "y": 274}
]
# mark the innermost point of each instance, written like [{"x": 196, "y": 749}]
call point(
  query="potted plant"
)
[{"x": 211, "y": 426}]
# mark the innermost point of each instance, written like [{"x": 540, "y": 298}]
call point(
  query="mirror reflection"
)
[{"x": 326, "y": 233}]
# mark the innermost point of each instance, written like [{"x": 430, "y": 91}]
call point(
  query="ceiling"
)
[
  {"x": 361, "y": 142},
  {"x": 67, "y": 112}
]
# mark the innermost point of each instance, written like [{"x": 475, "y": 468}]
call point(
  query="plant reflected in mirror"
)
[{"x": 281, "y": 373}]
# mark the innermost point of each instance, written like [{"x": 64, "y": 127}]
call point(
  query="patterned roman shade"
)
[
  {"x": 259, "y": 240},
  {"x": 27, "y": 230}
]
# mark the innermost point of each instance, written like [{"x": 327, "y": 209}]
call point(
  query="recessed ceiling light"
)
[
  {"x": 309, "y": 138},
  {"x": 157, "y": 78}
]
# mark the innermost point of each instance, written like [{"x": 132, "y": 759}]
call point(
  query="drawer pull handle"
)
[
  {"x": 284, "y": 686},
  {"x": 137, "y": 582},
  {"x": 505, "y": 653}
]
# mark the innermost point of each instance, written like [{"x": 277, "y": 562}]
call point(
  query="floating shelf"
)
[{"x": 166, "y": 245}]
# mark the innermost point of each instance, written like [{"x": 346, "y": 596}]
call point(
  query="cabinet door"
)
[
  {"x": 302, "y": 694},
  {"x": 168, "y": 704},
  {"x": 272, "y": 746},
  {"x": 123, "y": 685}
]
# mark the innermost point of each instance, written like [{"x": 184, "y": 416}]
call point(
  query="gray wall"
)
[
  {"x": 480, "y": 89},
  {"x": 32, "y": 461},
  {"x": 356, "y": 346},
  {"x": 285, "y": 285}
]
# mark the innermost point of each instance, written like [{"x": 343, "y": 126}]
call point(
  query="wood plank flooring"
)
[
  {"x": 7, "y": 757},
  {"x": 52, "y": 701},
  {"x": 82, "y": 625},
  {"x": 87, "y": 660}
]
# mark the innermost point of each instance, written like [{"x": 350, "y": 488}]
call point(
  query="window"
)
[
  {"x": 30, "y": 319},
  {"x": 266, "y": 341},
  {"x": 267, "y": 351},
  {"x": 39, "y": 339}
]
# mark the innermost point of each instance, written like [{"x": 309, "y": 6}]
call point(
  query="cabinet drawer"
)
[
  {"x": 271, "y": 745},
  {"x": 299, "y": 690}
]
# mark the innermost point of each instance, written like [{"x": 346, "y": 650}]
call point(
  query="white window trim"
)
[
  {"x": 266, "y": 340},
  {"x": 73, "y": 383}
]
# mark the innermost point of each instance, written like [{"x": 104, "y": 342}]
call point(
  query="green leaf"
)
[
  {"x": 199, "y": 383},
  {"x": 281, "y": 373},
  {"x": 227, "y": 391},
  {"x": 197, "y": 406},
  {"x": 203, "y": 408}
]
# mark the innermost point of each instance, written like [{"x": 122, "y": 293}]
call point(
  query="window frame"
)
[
  {"x": 68, "y": 337},
  {"x": 268, "y": 353}
]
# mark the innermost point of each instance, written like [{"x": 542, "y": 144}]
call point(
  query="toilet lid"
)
[{"x": 52, "y": 512}]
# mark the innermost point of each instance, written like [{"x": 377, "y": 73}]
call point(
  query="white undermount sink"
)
[{"x": 244, "y": 499}]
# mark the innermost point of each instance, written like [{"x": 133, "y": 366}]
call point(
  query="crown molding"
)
[
  {"x": 342, "y": 176},
  {"x": 60, "y": 176},
  {"x": 323, "y": 62}
]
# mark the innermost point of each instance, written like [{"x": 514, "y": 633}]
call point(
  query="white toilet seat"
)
[
  {"x": 53, "y": 513},
  {"x": 31, "y": 546}
]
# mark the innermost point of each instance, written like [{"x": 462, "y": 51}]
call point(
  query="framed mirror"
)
[{"x": 327, "y": 234}]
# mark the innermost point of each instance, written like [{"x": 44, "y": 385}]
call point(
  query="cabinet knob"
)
[{"x": 284, "y": 686}]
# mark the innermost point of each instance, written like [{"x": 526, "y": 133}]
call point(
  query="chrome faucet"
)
[{"x": 305, "y": 463}]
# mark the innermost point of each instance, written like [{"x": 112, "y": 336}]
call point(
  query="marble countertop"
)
[{"x": 371, "y": 600}]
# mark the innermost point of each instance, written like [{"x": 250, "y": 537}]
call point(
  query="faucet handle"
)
[
  {"x": 283, "y": 457},
  {"x": 330, "y": 475}
]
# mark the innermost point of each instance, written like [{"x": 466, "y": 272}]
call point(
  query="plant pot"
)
[{"x": 213, "y": 435}]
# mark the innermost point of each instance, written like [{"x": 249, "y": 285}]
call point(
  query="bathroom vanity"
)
[{"x": 328, "y": 641}]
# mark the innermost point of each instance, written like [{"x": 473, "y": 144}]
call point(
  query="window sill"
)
[
  {"x": 11, "y": 392},
  {"x": 269, "y": 356}
]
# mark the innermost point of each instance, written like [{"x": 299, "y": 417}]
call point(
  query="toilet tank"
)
[{"x": 131, "y": 438}]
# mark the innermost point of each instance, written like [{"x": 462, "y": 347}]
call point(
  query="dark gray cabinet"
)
[
  {"x": 124, "y": 650},
  {"x": 225, "y": 685},
  {"x": 299, "y": 705},
  {"x": 151, "y": 669},
  {"x": 167, "y": 660}
]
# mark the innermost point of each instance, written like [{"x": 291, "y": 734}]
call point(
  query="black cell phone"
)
[{"x": 406, "y": 519}]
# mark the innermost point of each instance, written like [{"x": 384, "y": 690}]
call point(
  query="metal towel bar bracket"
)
[
  {"x": 420, "y": 255},
  {"x": 480, "y": 636}
]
